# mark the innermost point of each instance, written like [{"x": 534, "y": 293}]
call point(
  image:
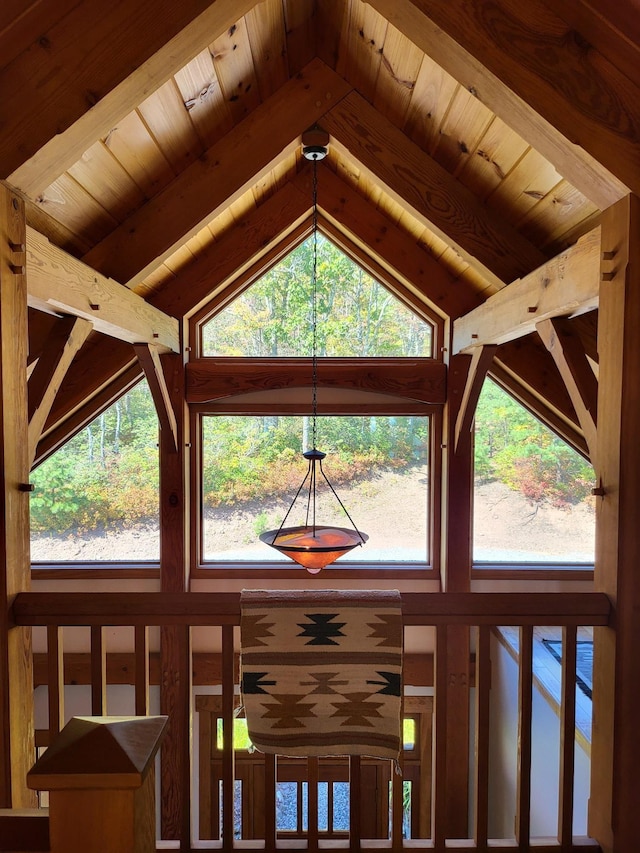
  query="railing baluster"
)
[
  {"x": 98, "y": 672},
  {"x": 439, "y": 789},
  {"x": 525, "y": 702},
  {"x": 483, "y": 686},
  {"x": 55, "y": 679},
  {"x": 228, "y": 785},
  {"x": 269, "y": 803},
  {"x": 355, "y": 827},
  {"x": 141, "y": 646},
  {"x": 312, "y": 805},
  {"x": 567, "y": 737}
]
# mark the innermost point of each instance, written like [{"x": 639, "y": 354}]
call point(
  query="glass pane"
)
[
  {"x": 252, "y": 467},
  {"x": 240, "y": 734},
  {"x": 323, "y": 806},
  {"x": 286, "y": 806},
  {"x": 409, "y": 733},
  {"x": 357, "y": 316},
  {"x": 532, "y": 498},
  {"x": 237, "y": 808},
  {"x": 96, "y": 499},
  {"x": 340, "y": 806}
]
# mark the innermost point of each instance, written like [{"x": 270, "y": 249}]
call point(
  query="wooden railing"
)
[{"x": 482, "y": 612}]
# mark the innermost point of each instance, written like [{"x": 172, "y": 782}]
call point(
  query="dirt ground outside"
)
[{"x": 507, "y": 527}]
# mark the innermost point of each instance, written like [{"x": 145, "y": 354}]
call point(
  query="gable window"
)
[
  {"x": 96, "y": 498},
  {"x": 532, "y": 495},
  {"x": 249, "y": 384}
]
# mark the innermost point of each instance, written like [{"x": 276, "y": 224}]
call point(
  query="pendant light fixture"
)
[{"x": 313, "y": 545}]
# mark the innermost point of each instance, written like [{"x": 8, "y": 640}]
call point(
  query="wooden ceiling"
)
[{"x": 470, "y": 143}]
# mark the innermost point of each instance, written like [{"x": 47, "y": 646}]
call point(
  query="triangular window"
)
[
  {"x": 357, "y": 316},
  {"x": 532, "y": 500}
]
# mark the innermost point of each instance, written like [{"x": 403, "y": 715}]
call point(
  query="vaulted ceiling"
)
[{"x": 157, "y": 146}]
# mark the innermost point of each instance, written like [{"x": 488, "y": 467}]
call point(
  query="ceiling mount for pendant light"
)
[{"x": 313, "y": 545}]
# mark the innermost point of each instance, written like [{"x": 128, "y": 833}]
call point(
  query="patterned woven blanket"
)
[{"x": 322, "y": 671}]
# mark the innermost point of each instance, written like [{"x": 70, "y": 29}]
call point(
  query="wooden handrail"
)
[{"x": 204, "y": 608}]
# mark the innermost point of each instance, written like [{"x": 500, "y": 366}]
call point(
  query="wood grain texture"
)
[
  {"x": 417, "y": 379},
  {"x": 58, "y": 282},
  {"x": 16, "y": 676},
  {"x": 89, "y": 70},
  {"x": 477, "y": 51},
  {"x": 149, "y": 358},
  {"x": 567, "y": 285},
  {"x": 201, "y": 608},
  {"x": 217, "y": 179},
  {"x": 419, "y": 183}
]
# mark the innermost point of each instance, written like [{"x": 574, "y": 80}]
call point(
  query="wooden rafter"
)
[
  {"x": 213, "y": 182},
  {"x": 418, "y": 183},
  {"x": 569, "y": 355},
  {"x": 60, "y": 284},
  {"x": 481, "y": 359},
  {"x": 149, "y": 359},
  {"x": 61, "y": 347},
  {"x": 504, "y": 59},
  {"x": 567, "y": 285},
  {"x": 87, "y": 67}
]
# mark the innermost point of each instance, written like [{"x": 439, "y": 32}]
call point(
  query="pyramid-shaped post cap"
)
[{"x": 99, "y": 752}]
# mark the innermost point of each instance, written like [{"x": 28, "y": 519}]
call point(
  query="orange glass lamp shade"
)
[{"x": 314, "y": 547}]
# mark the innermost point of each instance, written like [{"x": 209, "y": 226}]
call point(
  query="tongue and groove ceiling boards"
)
[{"x": 158, "y": 149}]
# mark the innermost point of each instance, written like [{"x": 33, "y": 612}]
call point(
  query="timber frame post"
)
[
  {"x": 175, "y": 640},
  {"x": 17, "y": 753},
  {"x": 615, "y": 751}
]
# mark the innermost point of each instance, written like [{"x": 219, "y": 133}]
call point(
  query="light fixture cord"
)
[{"x": 314, "y": 311}]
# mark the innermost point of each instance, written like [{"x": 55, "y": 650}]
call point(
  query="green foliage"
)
[
  {"x": 356, "y": 316},
  {"x": 513, "y": 447},
  {"x": 107, "y": 474}
]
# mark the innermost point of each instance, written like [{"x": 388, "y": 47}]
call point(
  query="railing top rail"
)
[{"x": 203, "y": 608}]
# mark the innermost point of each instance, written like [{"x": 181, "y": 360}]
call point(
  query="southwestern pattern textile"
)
[{"x": 322, "y": 671}]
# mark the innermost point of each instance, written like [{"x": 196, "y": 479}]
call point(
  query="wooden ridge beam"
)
[
  {"x": 61, "y": 347},
  {"x": 567, "y": 285},
  {"x": 59, "y": 283},
  {"x": 521, "y": 61},
  {"x": 210, "y": 184},
  {"x": 437, "y": 199},
  {"x": 570, "y": 357},
  {"x": 87, "y": 65},
  {"x": 149, "y": 359}
]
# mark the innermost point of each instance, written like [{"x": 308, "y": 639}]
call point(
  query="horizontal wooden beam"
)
[
  {"x": 87, "y": 67},
  {"x": 437, "y": 199},
  {"x": 210, "y": 379},
  {"x": 531, "y": 70},
  {"x": 59, "y": 283},
  {"x": 223, "y": 608},
  {"x": 567, "y": 285},
  {"x": 210, "y": 184},
  {"x": 24, "y": 829}
]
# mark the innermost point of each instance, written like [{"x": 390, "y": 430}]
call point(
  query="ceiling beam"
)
[
  {"x": 59, "y": 283},
  {"x": 418, "y": 183},
  {"x": 88, "y": 69},
  {"x": 64, "y": 341},
  {"x": 213, "y": 182},
  {"x": 567, "y": 350},
  {"x": 567, "y": 285},
  {"x": 528, "y": 68},
  {"x": 481, "y": 359}
]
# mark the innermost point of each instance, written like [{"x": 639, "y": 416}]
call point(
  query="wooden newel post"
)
[{"x": 100, "y": 775}]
